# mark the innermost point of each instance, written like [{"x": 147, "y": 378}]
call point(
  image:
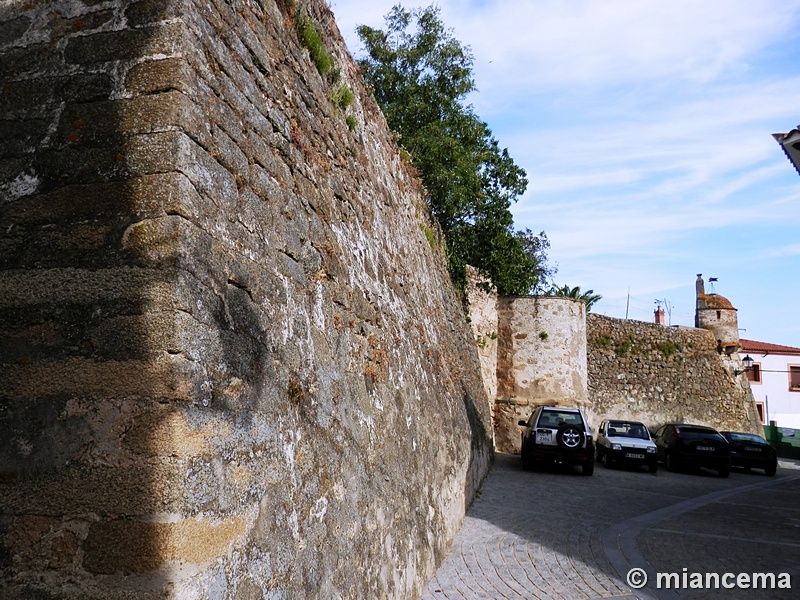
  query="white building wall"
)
[{"x": 780, "y": 403}]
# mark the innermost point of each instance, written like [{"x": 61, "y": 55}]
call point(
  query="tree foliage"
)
[
  {"x": 535, "y": 248},
  {"x": 421, "y": 76},
  {"x": 589, "y": 297}
]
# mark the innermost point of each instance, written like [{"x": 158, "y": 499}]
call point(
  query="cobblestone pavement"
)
[{"x": 560, "y": 535}]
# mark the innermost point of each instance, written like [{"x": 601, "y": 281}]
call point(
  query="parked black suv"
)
[
  {"x": 556, "y": 434},
  {"x": 681, "y": 445}
]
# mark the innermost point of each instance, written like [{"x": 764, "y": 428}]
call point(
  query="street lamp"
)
[{"x": 748, "y": 364}]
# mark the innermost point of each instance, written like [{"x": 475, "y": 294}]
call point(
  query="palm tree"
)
[{"x": 589, "y": 297}]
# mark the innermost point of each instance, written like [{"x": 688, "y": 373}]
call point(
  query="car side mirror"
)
[{"x": 523, "y": 423}]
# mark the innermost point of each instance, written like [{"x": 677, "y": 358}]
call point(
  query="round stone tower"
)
[
  {"x": 717, "y": 314},
  {"x": 541, "y": 359}
]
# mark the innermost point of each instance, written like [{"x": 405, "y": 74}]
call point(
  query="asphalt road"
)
[{"x": 560, "y": 535}]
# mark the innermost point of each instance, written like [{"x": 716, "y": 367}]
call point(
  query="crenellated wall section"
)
[{"x": 231, "y": 363}]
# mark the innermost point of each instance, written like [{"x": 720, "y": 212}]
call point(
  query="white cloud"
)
[
  {"x": 784, "y": 251},
  {"x": 596, "y": 42}
]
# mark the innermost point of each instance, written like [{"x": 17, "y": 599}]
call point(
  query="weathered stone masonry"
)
[
  {"x": 656, "y": 374},
  {"x": 231, "y": 365},
  {"x": 541, "y": 360}
]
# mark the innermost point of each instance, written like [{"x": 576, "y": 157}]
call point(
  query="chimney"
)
[
  {"x": 659, "y": 312},
  {"x": 700, "y": 288}
]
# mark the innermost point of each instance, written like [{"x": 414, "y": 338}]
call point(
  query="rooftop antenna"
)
[{"x": 628, "y": 304}]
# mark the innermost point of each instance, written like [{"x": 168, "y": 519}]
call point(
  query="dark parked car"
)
[
  {"x": 751, "y": 451},
  {"x": 685, "y": 446},
  {"x": 560, "y": 435},
  {"x": 626, "y": 442}
]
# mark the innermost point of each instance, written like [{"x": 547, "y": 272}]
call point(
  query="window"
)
[
  {"x": 760, "y": 409},
  {"x": 794, "y": 379},
  {"x": 754, "y": 373},
  {"x": 745, "y": 437}
]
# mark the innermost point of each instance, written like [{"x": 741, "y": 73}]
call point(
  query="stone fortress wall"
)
[
  {"x": 549, "y": 351},
  {"x": 232, "y": 364},
  {"x": 654, "y": 374}
]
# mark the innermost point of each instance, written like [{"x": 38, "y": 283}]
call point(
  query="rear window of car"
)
[
  {"x": 746, "y": 437},
  {"x": 550, "y": 418},
  {"x": 694, "y": 433}
]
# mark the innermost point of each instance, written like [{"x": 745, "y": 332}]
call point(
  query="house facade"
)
[{"x": 775, "y": 382}]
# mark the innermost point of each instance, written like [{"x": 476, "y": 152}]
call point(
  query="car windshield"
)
[
  {"x": 555, "y": 418},
  {"x": 692, "y": 434},
  {"x": 746, "y": 437},
  {"x": 628, "y": 429}
]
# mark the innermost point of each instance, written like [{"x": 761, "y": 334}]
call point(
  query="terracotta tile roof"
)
[{"x": 765, "y": 348}]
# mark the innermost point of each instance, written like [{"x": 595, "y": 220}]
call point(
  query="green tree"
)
[
  {"x": 535, "y": 248},
  {"x": 589, "y": 297},
  {"x": 421, "y": 76}
]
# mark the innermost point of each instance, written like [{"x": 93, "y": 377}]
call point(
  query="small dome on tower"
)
[{"x": 713, "y": 301}]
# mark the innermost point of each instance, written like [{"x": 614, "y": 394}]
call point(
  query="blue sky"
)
[{"x": 645, "y": 129}]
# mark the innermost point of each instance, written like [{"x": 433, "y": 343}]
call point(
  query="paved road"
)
[{"x": 560, "y": 535}]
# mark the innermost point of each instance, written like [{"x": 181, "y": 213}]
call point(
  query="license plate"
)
[
  {"x": 706, "y": 448},
  {"x": 752, "y": 449},
  {"x": 543, "y": 436},
  {"x": 632, "y": 455}
]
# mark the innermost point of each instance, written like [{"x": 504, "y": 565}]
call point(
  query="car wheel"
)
[
  {"x": 527, "y": 462},
  {"x": 587, "y": 468},
  {"x": 606, "y": 460},
  {"x": 570, "y": 438},
  {"x": 724, "y": 471},
  {"x": 770, "y": 470},
  {"x": 669, "y": 462},
  {"x": 653, "y": 468}
]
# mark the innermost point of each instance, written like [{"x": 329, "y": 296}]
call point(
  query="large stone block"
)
[
  {"x": 29, "y": 60},
  {"x": 109, "y": 46},
  {"x": 139, "y": 547},
  {"x": 13, "y": 30}
]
